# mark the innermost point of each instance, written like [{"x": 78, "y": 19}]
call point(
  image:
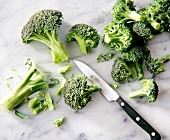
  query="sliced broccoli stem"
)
[
  {"x": 58, "y": 51},
  {"x": 155, "y": 25},
  {"x": 132, "y": 15},
  {"x": 164, "y": 58},
  {"x": 82, "y": 45},
  {"x": 139, "y": 70},
  {"x": 138, "y": 93},
  {"x": 92, "y": 89}
]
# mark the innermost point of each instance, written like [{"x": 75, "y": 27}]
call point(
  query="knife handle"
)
[{"x": 138, "y": 119}]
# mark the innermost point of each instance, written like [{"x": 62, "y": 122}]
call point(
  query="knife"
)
[{"x": 111, "y": 95}]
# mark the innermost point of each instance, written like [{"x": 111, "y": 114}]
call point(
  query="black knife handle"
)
[{"x": 138, "y": 119}]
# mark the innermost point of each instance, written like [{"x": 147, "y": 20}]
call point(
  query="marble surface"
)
[{"x": 100, "y": 120}]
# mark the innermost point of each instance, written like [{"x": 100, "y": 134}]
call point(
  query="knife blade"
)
[{"x": 111, "y": 95}]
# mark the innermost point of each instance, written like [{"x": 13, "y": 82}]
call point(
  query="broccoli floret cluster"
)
[
  {"x": 42, "y": 27},
  {"x": 77, "y": 92},
  {"x": 86, "y": 36}
]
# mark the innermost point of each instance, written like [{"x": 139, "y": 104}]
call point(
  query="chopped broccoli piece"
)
[
  {"x": 32, "y": 83},
  {"x": 58, "y": 122},
  {"x": 64, "y": 69},
  {"x": 59, "y": 90},
  {"x": 42, "y": 27},
  {"x": 41, "y": 94},
  {"x": 164, "y": 4},
  {"x": 156, "y": 65},
  {"x": 85, "y": 35},
  {"x": 143, "y": 31},
  {"x": 51, "y": 85},
  {"x": 124, "y": 10},
  {"x": 21, "y": 115},
  {"x": 121, "y": 71},
  {"x": 77, "y": 92},
  {"x": 149, "y": 89},
  {"x": 117, "y": 36},
  {"x": 114, "y": 85},
  {"x": 49, "y": 101},
  {"x": 105, "y": 57}
]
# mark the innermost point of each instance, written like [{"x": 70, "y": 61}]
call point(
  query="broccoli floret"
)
[
  {"x": 105, "y": 57},
  {"x": 124, "y": 10},
  {"x": 149, "y": 13},
  {"x": 42, "y": 27},
  {"x": 117, "y": 36},
  {"x": 86, "y": 36},
  {"x": 32, "y": 83},
  {"x": 156, "y": 65},
  {"x": 149, "y": 89},
  {"x": 164, "y": 4},
  {"x": 77, "y": 92},
  {"x": 121, "y": 71},
  {"x": 143, "y": 31}
]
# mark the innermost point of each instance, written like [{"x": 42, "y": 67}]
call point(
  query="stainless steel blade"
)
[{"x": 106, "y": 90}]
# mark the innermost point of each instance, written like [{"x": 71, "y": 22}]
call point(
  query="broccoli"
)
[
  {"x": 58, "y": 122},
  {"x": 117, "y": 36},
  {"x": 59, "y": 90},
  {"x": 105, "y": 57},
  {"x": 64, "y": 69},
  {"x": 85, "y": 35},
  {"x": 77, "y": 92},
  {"x": 121, "y": 71},
  {"x": 21, "y": 115},
  {"x": 156, "y": 65},
  {"x": 124, "y": 10},
  {"x": 143, "y": 31},
  {"x": 42, "y": 27},
  {"x": 149, "y": 89},
  {"x": 149, "y": 14},
  {"x": 164, "y": 4},
  {"x": 49, "y": 101},
  {"x": 30, "y": 84}
]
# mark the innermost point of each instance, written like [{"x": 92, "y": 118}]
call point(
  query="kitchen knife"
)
[{"x": 111, "y": 95}]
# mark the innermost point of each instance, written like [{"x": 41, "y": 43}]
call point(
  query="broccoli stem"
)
[
  {"x": 155, "y": 25},
  {"x": 131, "y": 71},
  {"x": 92, "y": 89},
  {"x": 139, "y": 70},
  {"x": 164, "y": 58},
  {"x": 138, "y": 93}
]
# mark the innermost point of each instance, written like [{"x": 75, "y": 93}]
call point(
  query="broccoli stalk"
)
[
  {"x": 42, "y": 27},
  {"x": 32, "y": 83},
  {"x": 139, "y": 70},
  {"x": 149, "y": 89}
]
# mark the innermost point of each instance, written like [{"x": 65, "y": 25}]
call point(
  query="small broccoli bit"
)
[
  {"x": 37, "y": 105},
  {"x": 59, "y": 90},
  {"x": 42, "y": 27},
  {"x": 114, "y": 85},
  {"x": 124, "y": 10},
  {"x": 58, "y": 122},
  {"x": 64, "y": 69},
  {"x": 156, "y": 65},
  {"x": 121, "y": 71},
  {"x": 105, "y": 57},
  {"x": 51, "y": 85},
  {"x": 143, "y": 31},
  {"x": 149, "y": 89},
  {"x": 30, "y": 84},
  {"x": 49, "y": 101},
  {"x": 21, "y": 115},
  {"x": 86, "y": 36},
  {"x": 117, "y": 36},
  {"x": 77, "y": 92}
]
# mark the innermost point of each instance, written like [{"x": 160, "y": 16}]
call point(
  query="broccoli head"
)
[
  {"x": 164, "y": 4},
  {"x": 156, "y": 65},
  {"x": 86, "y": 36},
  {"x": 42, "y": 27},
  {"x": 143, "y": 31},
  {"x": 124, "y": 10},
  {"x": 121, "y": 71},
  {"x": 150, "y": 89},
  {"x": 77, "y": 92},
  {"x": 117, "y": 36}
]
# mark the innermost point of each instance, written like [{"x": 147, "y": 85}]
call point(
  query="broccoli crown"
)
[
  {"x": 42, "y": 27},
  {"x": 150, "y": 89},
  {"x": 164, "y": 4},
  {"x": 117, "y": 36},
  {"x": 77, "y": 92},
  {"x": 42, "y": 21},
  {"x": 142, "y": 30},
  {"x": 105, "y": 57},
  {"x": 125, "y": 10},
  {"x": 86, "y": 36},
  {"x": 120, "y": 70},
  {"x": 156, "y": 65}
]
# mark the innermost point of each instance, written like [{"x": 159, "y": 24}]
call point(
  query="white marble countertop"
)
[{"x": 100, "y": 119}]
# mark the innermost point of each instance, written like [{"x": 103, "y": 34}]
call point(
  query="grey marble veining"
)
[{"x": 100, "y": 120}]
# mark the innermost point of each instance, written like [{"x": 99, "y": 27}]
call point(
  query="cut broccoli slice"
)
[{"x": 58, "y": 122}]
